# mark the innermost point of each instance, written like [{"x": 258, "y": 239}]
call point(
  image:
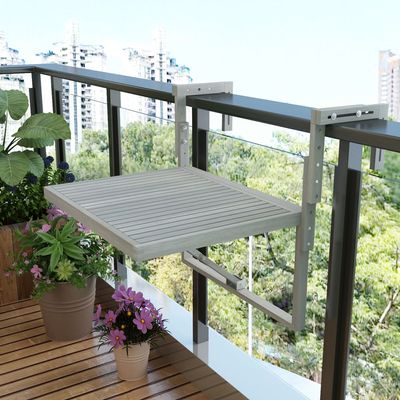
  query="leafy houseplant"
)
[
  {"x": 129, "y": 330},
  {"x": 64, "y": 258},
  {"x": 26, "y": 201},
  {"x": 39, "y": 130},
  {"x": 23, "y": 173}
]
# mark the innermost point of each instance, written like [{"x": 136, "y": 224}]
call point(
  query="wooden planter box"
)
[{"x": 12, "y": 288}]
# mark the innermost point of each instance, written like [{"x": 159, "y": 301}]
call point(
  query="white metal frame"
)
[
  {"x": 311, "y": 195},
  {"x": 180, "y": 93}
]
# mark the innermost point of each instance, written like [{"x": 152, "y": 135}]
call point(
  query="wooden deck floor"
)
[{"x": 33, "y": 367}]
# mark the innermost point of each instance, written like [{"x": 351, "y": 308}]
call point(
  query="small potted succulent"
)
[
  {"x": 130, "y": 328},
  {"x": 64, "y": 258}
]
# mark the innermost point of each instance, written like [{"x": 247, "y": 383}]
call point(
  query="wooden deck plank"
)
[
  {"x": 17, "y": 305},
  {"x": 33, "y": 367}
]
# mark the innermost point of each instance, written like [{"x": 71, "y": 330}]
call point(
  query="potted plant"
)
[
  {"x": 23, "y": 173},
  {"x": 64, "y": 258},
  {"x": 130, "y": 328}
]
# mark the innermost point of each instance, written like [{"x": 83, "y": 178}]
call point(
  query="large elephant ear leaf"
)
[
  {"x": 3, "y": 105},
  {"x": 36, "y": 166},
  {"x": 13, "y": 167},
  {"x": 35, "y": 143},
  {"x": 17, "y": 103},
  {"x": 44, "y": 126}
]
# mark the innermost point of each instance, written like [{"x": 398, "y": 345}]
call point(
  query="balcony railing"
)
[{"x": 376, "y": 133}]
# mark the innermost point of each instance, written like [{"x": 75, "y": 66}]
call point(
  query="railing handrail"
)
[
  {"x": 122, "y": 83},
  {"x": 375, "y": 133}
]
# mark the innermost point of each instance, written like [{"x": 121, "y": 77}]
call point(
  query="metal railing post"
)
[
  {"x": 341, "y": 271},
  {"x": 114, "y": 131},
  {"x": 114, "y": 145},
  {"x": 36, "y": 103},
  {"x": 201, "y": 126},
  {"x": 56, "y": 94}
]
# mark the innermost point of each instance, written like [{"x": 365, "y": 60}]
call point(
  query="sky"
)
[{"x": 314, "y": 53}]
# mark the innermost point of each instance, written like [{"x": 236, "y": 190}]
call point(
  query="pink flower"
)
[
  {"x": 83, "y": 228},
  {"x": 26, "y": 229},
  {"x": 97, "y": 314},
  {"x": 55, "y": 212},
  {"x": 45, "y": 228},
  {"x": 117, "y": 338},
  {"x": 24, "y": 254},
  {"x": 120, "y": 294},
  {"x": 128, "y": 296},
  {"x": 143, "y": 321},
  {"x": 36, "y": 271},
  {"x": 110, "y": 318}
]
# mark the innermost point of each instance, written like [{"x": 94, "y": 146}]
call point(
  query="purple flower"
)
[
  {"x": 45, "y": 228},
  {"x": 36, "y": 271},
  {"x": 32, "y": 179},
  {"x": 97, "y": 314},
  {"x": 83, "y": 228},
  {"x": 69, "y": 177},
  {"x": 120, "y": 294},
  {"x": 117, "y": 338},
  {"x": 143, "y": 321},
  {"x": 63, "y": 165},
  {"x": 47, "y": 161},
  {"x": 55, "y": 212},
  {"x": 128, "y": 296},
  {"x": 110, "y": 318},
  {"x": 26, "y": 229}
]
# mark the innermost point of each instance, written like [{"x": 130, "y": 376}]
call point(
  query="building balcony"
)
[{"x": 192, "y": 210}]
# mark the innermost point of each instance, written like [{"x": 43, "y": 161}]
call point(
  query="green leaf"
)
[
  {"x": 35, "y": 143},
  {"x": 45, "y": 251},
  {"x": 47, "y": 238},
  {"x": 44, "y": 126},
  {"x": 3, "y": 118},
  {"x": 68, "y": 228},
  {"x": 17, "y": 103},
  {"x": 36, "y": 163},
  {"x": 13, "y": 167},
  {"x": 74, "y": 252},
  {"x": 3, "y": 104},
  {"x": 54, "y": 259}
]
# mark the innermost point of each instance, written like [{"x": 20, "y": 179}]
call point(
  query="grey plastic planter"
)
[{"x": 67, "y": 311}]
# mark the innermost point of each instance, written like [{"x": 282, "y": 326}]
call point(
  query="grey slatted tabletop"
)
[{"x": 151, "y": 214}]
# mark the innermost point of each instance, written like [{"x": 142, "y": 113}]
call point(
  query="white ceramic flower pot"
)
[{"x": 132, "y": 366}]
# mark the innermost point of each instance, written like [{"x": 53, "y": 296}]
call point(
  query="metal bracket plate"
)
[
  {"x": 360, "y": 112},
  {"x": 180, "y": 92}
]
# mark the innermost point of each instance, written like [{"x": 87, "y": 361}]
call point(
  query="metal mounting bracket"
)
[
  {"x": 180, "y": 93},
  {"x": 211, "y": 270},
  {"x": 314, "y": 164}
]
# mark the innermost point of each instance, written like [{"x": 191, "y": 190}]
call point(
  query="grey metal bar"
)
[
  {"x": 229, "y": 279},
  {"x": 36, "y": 103},
  {"x": 200, "y": 127},
  {"x": 114, "y": 145},
  {"x": 376, "y": 133},
  {"x": 341, "y": 273},
  {"x": 114, "y": 131},
  {"x": 377, "y": 159},
  {"x": 56, "y": 93}
]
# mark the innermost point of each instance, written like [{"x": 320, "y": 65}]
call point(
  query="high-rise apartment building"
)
[
  {"x": 83, "y": 105},
  {"x": 389, "y": 82},
  {"x": 155, "y": 64},
  {"x": 10, "y": 56}
]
